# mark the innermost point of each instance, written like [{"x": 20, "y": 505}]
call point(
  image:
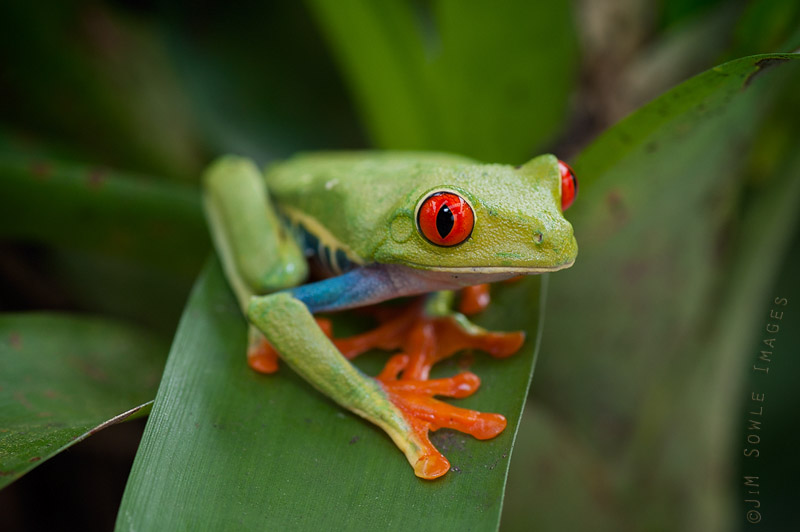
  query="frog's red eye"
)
[
  {"x": 569, "y": 185},
  {"x": 445, "y": 219}
]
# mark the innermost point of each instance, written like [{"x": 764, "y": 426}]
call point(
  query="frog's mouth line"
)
[{"x": 515, "y": 270}]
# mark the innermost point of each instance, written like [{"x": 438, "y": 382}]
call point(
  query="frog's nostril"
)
[{"x": 538, "y": 237}]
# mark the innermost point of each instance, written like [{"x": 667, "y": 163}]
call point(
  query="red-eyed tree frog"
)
[{"x": 378, "y": 226}]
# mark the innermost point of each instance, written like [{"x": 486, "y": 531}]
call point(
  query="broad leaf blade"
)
[
  {"x": 62, "y": 378},
  {"x": 657, "y": 197},
  {"x": 225, "y": 447},
  {"x": 629, "y": 365}
]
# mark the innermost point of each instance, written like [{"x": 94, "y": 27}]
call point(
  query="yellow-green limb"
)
[{"x": 257, "y": 253}]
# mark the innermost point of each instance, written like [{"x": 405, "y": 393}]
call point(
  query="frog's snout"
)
[{"x": 554, "y": 244}]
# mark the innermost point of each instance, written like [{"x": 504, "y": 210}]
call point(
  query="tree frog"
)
[{"x": 378, "y": 226}]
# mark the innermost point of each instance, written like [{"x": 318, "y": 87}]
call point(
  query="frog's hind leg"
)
[
  {"x": 262, "y": 357},
  {"x": 258, "y": 254}
]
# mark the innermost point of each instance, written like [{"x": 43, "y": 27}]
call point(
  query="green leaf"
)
[
  {"x": 656, "y": 191},
  {"x": 431, "y": 78},
  {"x": 576, "y": 471},
  {"x": 101, "y": 210},
  {"x": 63, "y": 378},
  {"x": 630, "y": 364},
  {"x": 225, "y": 447}
]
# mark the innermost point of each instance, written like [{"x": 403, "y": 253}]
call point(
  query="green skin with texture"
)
[{"x": 364, "y": 204}]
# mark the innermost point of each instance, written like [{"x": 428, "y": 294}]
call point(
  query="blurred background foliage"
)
[{"x": 687, "y": 213}]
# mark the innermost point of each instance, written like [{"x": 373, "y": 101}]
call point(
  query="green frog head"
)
[{"x": 482, "y": 219}]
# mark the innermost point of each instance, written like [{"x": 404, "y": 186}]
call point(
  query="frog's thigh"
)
[
  {"x": 291, "y": 329},
  {"x": 256, "y": 252}
]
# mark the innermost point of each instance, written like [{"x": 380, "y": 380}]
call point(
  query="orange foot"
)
[
  {"x": 424, "y": 341},
  {"x": 423, "y": 413}
]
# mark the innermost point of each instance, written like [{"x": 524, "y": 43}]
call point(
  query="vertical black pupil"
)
[{"x": 445, "y": 221}]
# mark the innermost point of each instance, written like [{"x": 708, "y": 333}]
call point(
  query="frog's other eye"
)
[
  {"x": 445, "y": 219},
  {"x": 569, "y": 185}
]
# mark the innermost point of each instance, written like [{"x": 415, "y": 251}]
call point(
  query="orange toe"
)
[
  {"x": 474, "y": 299},
  {"x": 431, "y": 466},
  {"x": 262, "y": 358}
]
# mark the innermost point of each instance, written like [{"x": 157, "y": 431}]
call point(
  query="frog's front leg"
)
[
  {"x": 290, "y": 328},
  {"x": 258, "y": 254}
]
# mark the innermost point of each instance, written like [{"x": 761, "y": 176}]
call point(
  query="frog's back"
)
[
  {"x": 325, "y": 170},
  {"x": 340, "y": 197}
]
